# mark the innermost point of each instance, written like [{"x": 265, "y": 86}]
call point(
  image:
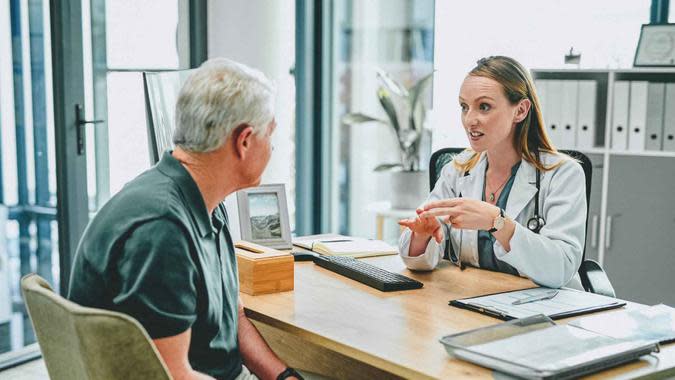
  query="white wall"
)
[{"x": 536, "y": 33}]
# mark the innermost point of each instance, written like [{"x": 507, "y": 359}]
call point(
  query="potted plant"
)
[{"x": 406, "y": 115}]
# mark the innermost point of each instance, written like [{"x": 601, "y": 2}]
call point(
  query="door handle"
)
[
  {"x": 594, "y": 231},
  {"x": 80, "y": 122},
  {"x": 608, "y": 232}
]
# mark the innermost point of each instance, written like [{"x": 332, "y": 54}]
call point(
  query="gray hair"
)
[{"x": 219, "y": 96}]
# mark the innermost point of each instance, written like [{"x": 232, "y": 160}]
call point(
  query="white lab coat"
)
[{"x": 550, "y": 258}]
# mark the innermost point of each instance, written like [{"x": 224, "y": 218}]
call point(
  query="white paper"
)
[{"x": 567, "y": 300}]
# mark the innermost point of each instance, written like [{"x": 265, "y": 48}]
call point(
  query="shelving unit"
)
[{"x": 631, "y": 212}]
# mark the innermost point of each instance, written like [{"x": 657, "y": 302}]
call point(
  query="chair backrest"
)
[
  {"x": 442, "y": 156},
  {"x": 161, "y": 92},
  {"x": 86, "y": 343}
]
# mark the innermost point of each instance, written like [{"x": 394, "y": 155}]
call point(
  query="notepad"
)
[
  {"x": 567, "y": 303},
  {"x": 537, "y": 348},
  {"x": 654, "y": 323},
  {"x": 340, "y": 245}
]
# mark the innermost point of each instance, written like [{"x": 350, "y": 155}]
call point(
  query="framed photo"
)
[
  {"x": 263, "y": 216},
  {"x": 656, "y": 47}
]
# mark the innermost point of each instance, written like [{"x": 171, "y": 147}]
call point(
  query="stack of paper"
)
[
  {"x": 340, "y": 245},
  {"x": 655, "y": 323}
]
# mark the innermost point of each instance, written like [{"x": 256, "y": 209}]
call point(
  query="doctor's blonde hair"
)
[{"x": 530, "y": 133}]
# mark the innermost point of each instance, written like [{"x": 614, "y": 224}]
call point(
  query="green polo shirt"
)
[{"x": 153, "y": 252}]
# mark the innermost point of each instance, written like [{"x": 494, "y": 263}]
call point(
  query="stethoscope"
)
[{"x": 534, "y": 224}]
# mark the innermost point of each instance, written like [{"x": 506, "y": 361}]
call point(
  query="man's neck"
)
[{"x": 214, "y": 175}]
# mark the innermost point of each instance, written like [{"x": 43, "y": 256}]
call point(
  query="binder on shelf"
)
[
  {"x": 669, "y": 119},
  {"x": 541, "y": 87},
  {"x": 656, "y": 93},
  {"x": 554, "y": 90},
  {"x": 637, "y": 116},
  {"x": 586, "y": 114},
  {"x": 537, "y": 348},
  {"x": 620, "y": 115},
  {"x": 568, "y": 115}
]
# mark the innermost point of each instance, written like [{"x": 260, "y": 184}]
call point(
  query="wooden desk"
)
[{"x": 343, "y": 329}]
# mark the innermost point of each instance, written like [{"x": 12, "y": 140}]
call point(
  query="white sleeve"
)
[
  {"x": 552, "y": 257},
  {"x": 434, "y": 252}
]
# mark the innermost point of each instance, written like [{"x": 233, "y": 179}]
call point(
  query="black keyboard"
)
[{"x": 367, "y": 274}]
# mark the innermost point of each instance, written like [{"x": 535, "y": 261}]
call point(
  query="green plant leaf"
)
[
  {"x": 385, "y": 167},
  {"x": 388, "y": 106},
  {"x": 391, "y": 83},
  {"x": 358, "y": 118},
  {"x": 415, "y": 93}
]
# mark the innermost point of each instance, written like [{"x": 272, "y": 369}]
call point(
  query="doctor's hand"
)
[
  {"x": 463, "y": 213},
  {"x": 424, "y": 227}
]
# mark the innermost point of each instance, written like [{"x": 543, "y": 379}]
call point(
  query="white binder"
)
[
  {"x": 568, "y": 118},
  {"x": 586, "y": 119},
  {"x": 620, "y": 116},
  {"x": 669, "y": 119},
  {"x": 541, "y": 86},
  {"x": 637, "y": 115},
  {"x": 554, "y": 90},
  {"x": 656, "y": 93}
]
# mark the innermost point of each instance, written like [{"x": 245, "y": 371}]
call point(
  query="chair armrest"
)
[{"x": 594, "y": 279}]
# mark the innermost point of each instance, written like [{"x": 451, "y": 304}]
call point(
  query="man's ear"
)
[
  {"x": 522, "y": 110},
  {"x": 241, "y": 139}
]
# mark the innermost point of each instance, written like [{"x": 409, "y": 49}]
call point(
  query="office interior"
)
[{"x": 73, "y": 116}]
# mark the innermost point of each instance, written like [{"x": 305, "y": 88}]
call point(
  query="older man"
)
[{"x": 160, "y": 250}]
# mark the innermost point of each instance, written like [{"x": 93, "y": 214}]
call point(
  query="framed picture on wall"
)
[
  {"x": 263, "y": 216},
  {"x": 656, "y": 47}
]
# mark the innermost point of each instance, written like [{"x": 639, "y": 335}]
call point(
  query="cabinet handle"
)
[
  {"x": 594, "y": 231},
  {"x": 608, "y": 232}
]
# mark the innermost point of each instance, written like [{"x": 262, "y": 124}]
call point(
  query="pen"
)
[{"x": 539, "y": 297}]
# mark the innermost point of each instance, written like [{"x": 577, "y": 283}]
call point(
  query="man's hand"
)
[{"x": 424, "y": 226}]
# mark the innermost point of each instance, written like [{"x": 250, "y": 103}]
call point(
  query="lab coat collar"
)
[{"x": 470, "y": 185}]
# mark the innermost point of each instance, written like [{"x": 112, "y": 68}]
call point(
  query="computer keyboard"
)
[{"x": 367, "y": 274}]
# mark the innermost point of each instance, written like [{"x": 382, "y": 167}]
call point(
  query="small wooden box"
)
[{"x": 263, "y": 270}]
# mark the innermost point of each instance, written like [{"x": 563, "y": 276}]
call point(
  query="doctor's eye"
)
[
  {"x": 485, "y": 107},
  {"x": 463, "y": 107}
]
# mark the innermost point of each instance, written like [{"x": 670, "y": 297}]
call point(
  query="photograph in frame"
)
[{"x": 263, "y": 216}]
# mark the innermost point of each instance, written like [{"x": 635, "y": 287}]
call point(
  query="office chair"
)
[
  {"x": 161, "y": 92},
  {"x": 593, "y": 278},
  {"x": 82, "y": 343}
]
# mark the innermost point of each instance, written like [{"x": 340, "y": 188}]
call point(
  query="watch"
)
[
  {"x": 498, "y": 223},
  {"x": 288, "y": 372}
]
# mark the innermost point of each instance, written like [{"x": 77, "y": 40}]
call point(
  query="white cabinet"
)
[{"x": 631, "y": 224}]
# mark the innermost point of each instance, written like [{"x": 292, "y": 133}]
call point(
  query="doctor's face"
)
[{"x": 487, "y": 115}]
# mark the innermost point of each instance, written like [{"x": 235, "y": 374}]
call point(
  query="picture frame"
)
[
  {"x": 656, "y": 46},
  {"x": 263, "y": 216}
]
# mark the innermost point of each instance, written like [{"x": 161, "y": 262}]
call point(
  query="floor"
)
[{"x": 33, "y": 370}]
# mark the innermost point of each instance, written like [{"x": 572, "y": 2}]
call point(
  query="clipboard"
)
[{"x": 567, "y": 303}]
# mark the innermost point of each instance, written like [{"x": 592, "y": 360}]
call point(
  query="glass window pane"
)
[
  {"x": 28, "y": 234},
  {"x": 142, "y": 34},
  {"x": 127, "y": 129},
  {"x": 396, "y": 37}
]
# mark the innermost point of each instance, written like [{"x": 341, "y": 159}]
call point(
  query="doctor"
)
[{"x": 511, "y": 203}]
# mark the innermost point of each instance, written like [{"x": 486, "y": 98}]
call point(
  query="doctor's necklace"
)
[{"x": 491, "y": 196}]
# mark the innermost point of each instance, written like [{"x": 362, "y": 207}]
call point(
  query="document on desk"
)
[
  {"x": 340, "y": 245},
  {"x": 654, "y": 323},
  {"x": 566, "y": 303}
]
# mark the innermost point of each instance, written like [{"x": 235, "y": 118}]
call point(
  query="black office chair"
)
[{"x": 593, "y": 278}]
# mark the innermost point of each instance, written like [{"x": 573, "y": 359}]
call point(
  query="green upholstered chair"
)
[
  {"x": 85, "y": 343},
  {"x": 593, "y": 277}
]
